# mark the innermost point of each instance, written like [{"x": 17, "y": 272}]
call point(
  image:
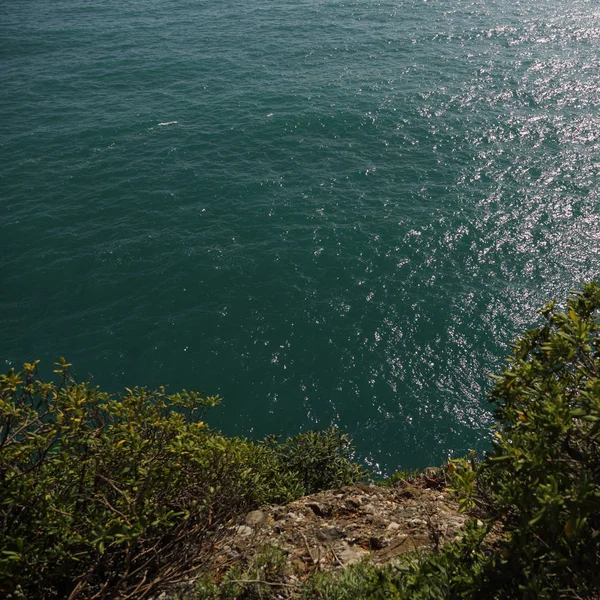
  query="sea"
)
[{"x": 330, "y": 213}]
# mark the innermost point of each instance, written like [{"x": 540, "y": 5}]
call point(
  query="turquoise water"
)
[{"x": 327, "y": 212}]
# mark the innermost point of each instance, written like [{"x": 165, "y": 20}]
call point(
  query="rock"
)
[
  {"x": 405, "y": 513},
  {"x": 298, "y": 565},
  {"x": 331, "y": 534},
  {"x": 243, "y": 531},
  {"x": 255, "y": 518},
  {"x": 403, "y": 490},
  {"x": 332, "y": 529},
  {"x": 365, "y": 487},
  {"x": 349, "y": 555}
]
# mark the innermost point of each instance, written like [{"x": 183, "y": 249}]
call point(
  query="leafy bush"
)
[
  {"x": 321, "y": 460},
  {"x": 540, "y": 484},
  {"x": 260, "y": 579},
  {"x": 542, "y": 479},
  {"x": 102, "y": 496},
  {"x": 457, "y": 571}
]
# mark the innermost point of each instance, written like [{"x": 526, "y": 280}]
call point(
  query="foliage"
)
[
  {"x": 321, "y": 460},
  {"x": 540, "y": 483},
  {"x": 462, "y": 474},
  {"x": 360, "y": 580},
  {"x": 542, "y": 479},
  {"x": 102, "y": 496},
  {"x": 397, "y": 477},
  {"x": 457, "y": 571},
  {"x": 260, "y": 579}
]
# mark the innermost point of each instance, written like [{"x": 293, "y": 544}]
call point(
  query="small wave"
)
[{"x": 167, "y": 123}]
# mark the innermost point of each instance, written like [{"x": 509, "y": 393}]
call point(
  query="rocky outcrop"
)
[{"x": 333, "y": 529}]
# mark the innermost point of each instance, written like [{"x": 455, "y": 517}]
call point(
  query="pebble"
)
[
  {"x": 255, "y": 518},
  {"x": 348, "y": 555},
  {"x": 244, "y": 530}
]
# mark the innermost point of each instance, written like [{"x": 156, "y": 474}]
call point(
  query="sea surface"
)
[{"x": 329, "y": 213}]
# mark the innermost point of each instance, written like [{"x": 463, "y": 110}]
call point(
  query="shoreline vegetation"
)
[{"x": 133, "y": 496}]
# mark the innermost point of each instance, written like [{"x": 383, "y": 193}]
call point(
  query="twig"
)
[
  {"x": 272, "y": 583},
  {"x": 77, "y": 589},
  {"x": 309, "y": 552},
  {"x": 102, "y": 499},
  {"x": 337, "y": 558}
]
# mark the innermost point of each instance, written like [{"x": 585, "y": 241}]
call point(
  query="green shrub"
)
[
  {"x": 456, "y": 571},
  {"x": 103, "y": 496},
  {"x": 321, "y": 460},
  {"x": 262, "y": 578},
  {"x": 542, "y": 479},
  {"x": 357, "y": 582}
]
